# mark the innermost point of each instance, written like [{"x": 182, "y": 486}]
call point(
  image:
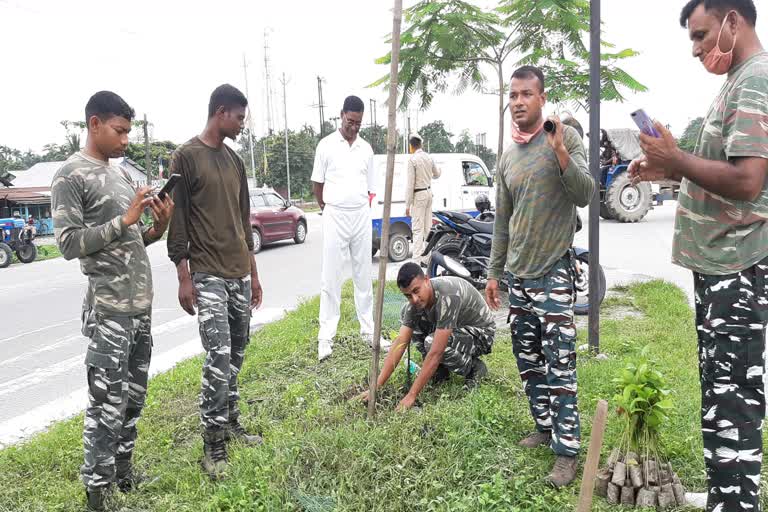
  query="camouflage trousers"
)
[
  {"x": 464, "y": 345},
  {"x": 730, "y": 323},
  {"x": 117, "y": 363},
  {"x": 224, "y": 315},
  {"x": 544, "y": 344}
]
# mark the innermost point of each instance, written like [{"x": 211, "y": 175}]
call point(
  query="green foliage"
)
[
  {"x": 691, "y": 135},
  {"x": 643, "y": 402},
  {"x": 436, "y": 138},
  {"x": 159, "y": 152}
]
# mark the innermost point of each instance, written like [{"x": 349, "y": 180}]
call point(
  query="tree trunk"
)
[{"x": 500, "y": 148}]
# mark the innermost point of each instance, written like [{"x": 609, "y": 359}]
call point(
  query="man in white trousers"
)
[{"x": 342, "y": 179}]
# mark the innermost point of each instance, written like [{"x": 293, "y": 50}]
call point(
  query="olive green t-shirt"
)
[
  {"x": 211, "y": 224},
  {"x": 536, "y": 205},
  {"x": 715, "y": 235}
]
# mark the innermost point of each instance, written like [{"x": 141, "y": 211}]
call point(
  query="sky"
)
[{"x": 165, "y": 57}]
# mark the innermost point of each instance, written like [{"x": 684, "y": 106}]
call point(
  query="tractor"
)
[
  {"x": 619, "y": 199},
  {"x": 16, "y": 236}
]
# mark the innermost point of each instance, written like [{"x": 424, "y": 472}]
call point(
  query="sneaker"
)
[
  {"x": 324, "y": 349},
  {"x": 536, "y": 439},
  {"x": 215, "y": 453},
  {"x": 563, "y": 472},
  {"x": 236, "y": 432},
  {"x": 95, "y": 499},
  {"x": 384, "y": 343}
]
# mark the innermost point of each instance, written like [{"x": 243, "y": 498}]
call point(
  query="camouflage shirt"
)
[
  {"x": 457, "y": 304},
  {"x": 536, "y": 205},
  {"x": 715, "y": 235},
  {"x": 88, "y": 199}
]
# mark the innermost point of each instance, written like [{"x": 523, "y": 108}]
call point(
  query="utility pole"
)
[
  {"x": 320, "y": 105},
  {"x": 250, "y": 119},
  {"x": 287, "y": 158},
  {"x": 147, "y": 162},
  {"x": 268, "y": 84}
]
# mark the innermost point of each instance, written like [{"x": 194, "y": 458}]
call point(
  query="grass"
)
[
  {"x": 457, "y": 452},
  {"x": 44, "y": 252}
]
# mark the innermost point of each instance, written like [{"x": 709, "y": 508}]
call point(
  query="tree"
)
[
  {"x": 159, "y": 153},
  {"x": 466, "y": 145},
  {"x": 691, "y": 135},
  {"x": 74, "y": 130},
  {"x": 436, "y": 138},
  {"x": 454, "y": 42}
]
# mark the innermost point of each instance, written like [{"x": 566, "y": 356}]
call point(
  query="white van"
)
[{"x": 463, "y": 177}]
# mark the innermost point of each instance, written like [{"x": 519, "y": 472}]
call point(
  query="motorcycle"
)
[{"x": 460, "y": 245}]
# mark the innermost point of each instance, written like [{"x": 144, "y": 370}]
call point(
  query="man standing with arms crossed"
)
[
  {"x": 96, "y": 215},
  {"x": 342, "y": 179},
  {"x": 721, "y": 234},
  {"x": 418, "y": 195},
  {"x": 211, "y": 245},
  {"x": 541, "y": 179}
]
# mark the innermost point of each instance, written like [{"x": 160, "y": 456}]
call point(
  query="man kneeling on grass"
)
[{"x": 450, "y": 324}]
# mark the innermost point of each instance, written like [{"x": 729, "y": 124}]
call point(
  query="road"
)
[{"x": 42, "y": 375}]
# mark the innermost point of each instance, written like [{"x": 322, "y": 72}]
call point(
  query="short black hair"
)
[
  {"x": 744, "y": 7},
  {"x": 526, "y": 72},
  {"x": 407, "y": 274},
  {"x": 415, "y": 142},
  {"x": 106, "y": 104},
  {"x": 226, "y": 96},
  {"x": 353, "y": 104}
]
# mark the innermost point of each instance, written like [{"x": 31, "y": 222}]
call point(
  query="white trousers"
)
[{"x": 346, "y": 236}]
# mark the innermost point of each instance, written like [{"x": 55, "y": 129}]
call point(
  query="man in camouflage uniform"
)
[
  {"x": 96, "y": 214},
  {"x": 450, "y": 324},
  {"x": 721, "y": 234},
  {"x": 418, "y": 196},
  {"x": 541, "y": 179},
  {"x": 210, "y": 243}
]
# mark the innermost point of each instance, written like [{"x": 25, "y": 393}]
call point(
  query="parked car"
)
[{"x": 274, "y": 219}]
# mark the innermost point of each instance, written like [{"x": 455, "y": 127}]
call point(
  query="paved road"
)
[{"x": 41, "y": 350}]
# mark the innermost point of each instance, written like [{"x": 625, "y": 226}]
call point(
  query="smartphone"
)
[
  {"x": 172, "y": 181},
  {"x": 645, "y": 123}
]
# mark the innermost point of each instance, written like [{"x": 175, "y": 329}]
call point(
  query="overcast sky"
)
[{"x": 165, "y": 57}]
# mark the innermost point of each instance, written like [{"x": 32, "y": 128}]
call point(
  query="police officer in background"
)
[{"x": 418, "y": 196}]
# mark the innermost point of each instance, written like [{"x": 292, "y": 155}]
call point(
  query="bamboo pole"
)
[
  {"x": 384, "y": 250},
  {"x": 593, "y": 457}
]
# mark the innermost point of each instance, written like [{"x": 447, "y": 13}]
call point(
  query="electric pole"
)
[
  {"x": 147, "y": 162},
  {"x": 268, "y": 84},
  {"x": 250, "y": 118},
  {"x": 287, "y": 158},
  {"x": 320, "y": 105}
]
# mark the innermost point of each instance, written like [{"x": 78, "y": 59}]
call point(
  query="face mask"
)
[{"x": 716, "y": 61}]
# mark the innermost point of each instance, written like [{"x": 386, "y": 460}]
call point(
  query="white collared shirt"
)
[{"x": 345, "y": 170}]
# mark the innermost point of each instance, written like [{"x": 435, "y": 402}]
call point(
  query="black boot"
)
[
  {"x": 442, "y": 374},
  {"x": 96, "y": 498},
  {"x": 126, "y": 477},
  {"x": 477, "y": 373},
  {"x": 215, "y": 453},
  {"x": 236, "y": 432}
]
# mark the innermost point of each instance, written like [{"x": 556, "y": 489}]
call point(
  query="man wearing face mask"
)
[
  {"x": 541, "y": 179},
  {"x": 721, "y": 234},
  {"x": 342, "y": 179}
]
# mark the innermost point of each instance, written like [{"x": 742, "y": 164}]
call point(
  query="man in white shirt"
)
[{"x": 342, "y": 179}]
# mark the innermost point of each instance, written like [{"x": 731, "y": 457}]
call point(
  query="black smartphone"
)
[{"x": 173, "y": 179}]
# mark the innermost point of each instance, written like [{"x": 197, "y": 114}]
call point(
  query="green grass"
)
[
  {"x": 456, "y": 453},
  {"x": 44, "y": 252}
]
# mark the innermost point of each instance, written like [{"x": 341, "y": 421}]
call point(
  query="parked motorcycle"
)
[{"x": 460, "y": 246}]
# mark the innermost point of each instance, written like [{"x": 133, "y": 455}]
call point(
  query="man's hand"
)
[
  {"x": 362, "y": 397},
  {"x": 256, "y": 293},
  {"x": 162, "y": 211},
  {"x": 492, "y": 294},
  {"x": 639, "y": 170},
  {"x": 405, "y": 404},
  {"x": 139, "y": 202},
  {"x": 187, "y": 295},
  {"x": 661, "y": 152},
  {"x": 556, "y": 139}
]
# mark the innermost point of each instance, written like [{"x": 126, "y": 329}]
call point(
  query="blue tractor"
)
[
  {"x": 619, "y": 199},
  {"x": 16, "y": 236}
]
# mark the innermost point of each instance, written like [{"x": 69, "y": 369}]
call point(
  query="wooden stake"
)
[
  {"x": 384, "y": 251},
  {"x": 593, "y": 457}
]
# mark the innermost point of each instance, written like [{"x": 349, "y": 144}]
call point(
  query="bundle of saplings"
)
[{"x": 637, "y": 474}]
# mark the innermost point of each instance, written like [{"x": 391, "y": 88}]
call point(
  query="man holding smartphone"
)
[
  {"x": 210, "y": 243},
  {"x": 97, "y": 218},
  {"x": 541, "y": 179},
  {"x": 721, "y": 235}
]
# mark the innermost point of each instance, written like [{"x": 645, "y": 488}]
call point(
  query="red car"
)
[{"x": 273, "y": 219}]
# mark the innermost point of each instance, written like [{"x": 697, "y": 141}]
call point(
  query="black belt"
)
[{"x": 420, "y": 189}]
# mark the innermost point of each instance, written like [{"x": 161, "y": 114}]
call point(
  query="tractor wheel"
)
[
  {"x": 626, "y": 202},
  {"x": 6, "y": 255},
  {"x": 27, "y": 253}
]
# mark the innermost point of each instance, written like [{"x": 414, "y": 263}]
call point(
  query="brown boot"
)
[
  {"x": 215, "y": 453},
  {"x": 236, "y": 432},
  {"x": 535, "y": 440},
  {"x": 564, "y": 471}
]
